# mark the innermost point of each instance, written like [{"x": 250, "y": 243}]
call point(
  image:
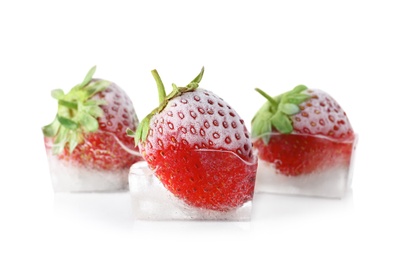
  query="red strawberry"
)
[
  {"x": 199, "y": 148},
  {"x": 302, "y": 131},
  {"x": 90, "y": 125}
]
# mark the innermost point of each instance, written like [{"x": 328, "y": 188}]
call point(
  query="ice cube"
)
[
  {"x": 69, "y": 177},
  {"x": 331, "y": 179},
  {"x": 151, "y": 200}
]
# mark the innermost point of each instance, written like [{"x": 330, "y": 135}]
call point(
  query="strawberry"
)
[
  {"x": 89, "y": 128},
  {"x": 302, "y": 131},
  {"x": 198, "y": 147}
]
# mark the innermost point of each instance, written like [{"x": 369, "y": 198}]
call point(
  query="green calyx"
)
[
  {"x": 143, "y": 128},
  {"x": 276, "y": 112},
  {"x": 76, "y": 114}
]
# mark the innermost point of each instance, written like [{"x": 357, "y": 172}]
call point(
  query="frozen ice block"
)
[
  {"x": 206, "y": 193},
  {"x": 68, "y": 175},
  {"x": 326, "y": 173}
]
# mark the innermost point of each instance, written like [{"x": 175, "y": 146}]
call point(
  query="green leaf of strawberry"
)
[
  {"x": 276, "y": 112},
  {"x": 76, "y": 111}
]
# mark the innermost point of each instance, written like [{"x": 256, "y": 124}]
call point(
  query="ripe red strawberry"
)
[
  {"x": 302, "y": 131},
  {"x": 90, "y": 126},
  {"x": 199, "y": 148}
]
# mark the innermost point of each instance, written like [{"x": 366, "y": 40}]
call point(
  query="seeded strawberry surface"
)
[
  {"x": 320, "y": 136},
  {"x": 322, "y": 115},
  {"x": 200, "y": 119},
  {"x": 200, "y": 149}
]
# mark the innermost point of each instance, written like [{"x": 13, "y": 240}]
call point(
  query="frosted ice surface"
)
[
  {"x": 332, "y": 183},
  {"x": 69, "y": 178},
  {"x": 151, "y": 201}
]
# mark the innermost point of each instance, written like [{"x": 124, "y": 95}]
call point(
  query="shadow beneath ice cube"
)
[{"x": 275, "y": 207}]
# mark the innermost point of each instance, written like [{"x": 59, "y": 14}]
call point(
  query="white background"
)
[{"x": 351, "y": 49}]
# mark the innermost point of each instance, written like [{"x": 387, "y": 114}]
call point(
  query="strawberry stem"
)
[
  {"x": 161, "y": 87},
  {"x": 270, "y": 99}
]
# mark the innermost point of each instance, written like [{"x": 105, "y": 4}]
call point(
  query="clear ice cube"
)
[
  {"x": 68, "y": 176},
  {"x": 328, "y": 180},
  {"x": 151, "y": 200}
]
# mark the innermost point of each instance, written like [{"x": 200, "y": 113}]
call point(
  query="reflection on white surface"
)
[
  {"x": 114, "y": 210},
  {"x": 99, "y": 209},
  {"x": 269, "y": 207}
]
